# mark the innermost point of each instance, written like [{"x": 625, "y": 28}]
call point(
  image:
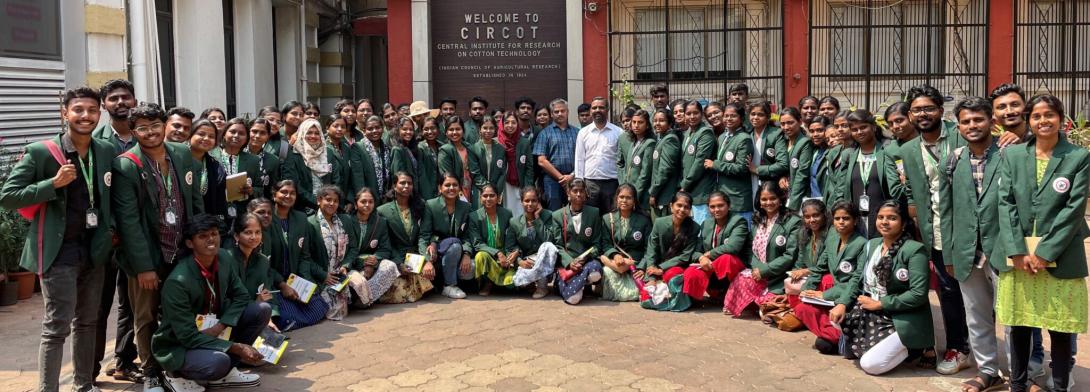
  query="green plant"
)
[
  {"x": 625, "y": 95},
  {"x": 13, "y": 227},
  {"x": 1079, "y": 132}
]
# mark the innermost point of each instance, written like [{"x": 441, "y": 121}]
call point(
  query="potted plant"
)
[{"x": 13, "y": 229}]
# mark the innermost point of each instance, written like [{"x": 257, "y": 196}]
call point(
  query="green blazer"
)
[
  {"x": 696, "y": 146},
  {"x": 810, "y": 251},
  {"x": 843, "y": 264},
  {"x": 666, "y": 169},
  {"x": 363, "y": 169},
  {"x": 268, "y": 174},
  {"x": 906, "y": 299},
  {"x": 780, "y": 252},
  {"x": 774, "y": 157},
  {"x": 528, "y": 238},
  {"x": 449, "y": 161},
  {"x": 296, "y": 169},
  {"x": 254, "y": 272},
  {"x": 182, "y": 299},
  {"x": 402, "y": 159},
  {"x": 351, "y": 249},
  {"x": 494, "y": 171},
  {"x": 662, "y": 236},
  {"x": 887, "y": 177},
  {"x": 247, "y": 163},
  {"x": 526, "y": 162},
  {"x": 427, "y": 179},
  {"x": 830, "y": 174},
  {"x": 798, "y": 172},
  {"x": 344, "y": 157},
  {"x": 373, "y": 240},
  {"x": 438, "y": 224},
  {"x": 972, "y": 220},
  {"x": 732, "y": 238},
  {"x": 633, "y": 242},
  {"x": 471, "y": 132},
  {"x": 298, "y": 241},
  {"x": 1059, "y": 201},
  {"x": 31, "y": 182},
  {"x": 136, "y": 206},
  {"x": 919, "y": 190},
  {"x": 403, "y": 240},
  {"x": 634, "y": 166},
  {"x": 732, "y": 165},
  {"x": 571, "y": 244},
  {"x": 477, "y": 229}
]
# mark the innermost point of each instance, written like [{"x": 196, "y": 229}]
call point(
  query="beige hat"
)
[{"x": 419, "y": 107}]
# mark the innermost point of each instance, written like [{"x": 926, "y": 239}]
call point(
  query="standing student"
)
[
  {"x": 731, "y": 163},
  {"x": 402, "y": 215},
  {"x": 72, "y": 201},
  {"x": 808, "y": 109},
  {"x": 375, "y": 254},
  {"x": 211, "y": 177},
  {"x": 340, "y": 149},
  {"x": 774, "y": 240},
  {"x": 969, "y": 206},
  {"x": 828, "y": 107},
  {"x": 801, "y": 152},
  {"x": 554, "y": 148},
  {"x": 404, "y": 151},
  {"x": 542, "y": 117},
  {"x": 218, "y": 118},
  {"x": 889, "y": 319},
  {"x": 457, "y": 158},
  {"x": 714, "y": 114},
  {"x": 370, "y": 167},
  {"x": 346, "y": 110},
  {"x": 1009, "y": 107},
  {"x": 492, "y": 156},
  {"x": 315, "y": 165},
  {"x": 820, "y": 164},
  {"x": 206, "y": 284},
  {"x": 478, "y": 110},
  {"x": 234, "y": 159},
  {"x": 674, "y": 243},
  {"x": 697, "y": 146},
  {"x": 660, "y": 96},
  {"x": 636, "y": 156},
  {"x": 364, "y": 110},
  {"x": 427, "y": 180},
  {"x": 580, "y": 243},
  {"x": 495, "y": 260},
  {"x": 830, "y": 278},
  {"x": 179, "y": 126},
  {"x": 903, "y": 130},
  {"x": 443, "y": 236},
  {"x": 1042, "y": 194},
  {"x": 156, "y": 194},
  {"x": 596, "y": 156},
  {"x": 869, "y": 175},
  {"x": 268, "y": 165},
  {"x": 518, "y": 151},
  {"x": 923, "y": 159},
  {"x": 665, "y": 163},
  {"x": 336, "y": 251},
  {"x": 723, "y": 240},
  {"x": 625, "y": 246},
  {"x": 292, "y": 256},
  {"x": 770, "y": 156}
]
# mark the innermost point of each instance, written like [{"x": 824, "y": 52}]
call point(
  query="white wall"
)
[
  {"x": 254, "y": 61},
  {"x": 289, "y": 53},
  {"x": 198, "y": 54}
]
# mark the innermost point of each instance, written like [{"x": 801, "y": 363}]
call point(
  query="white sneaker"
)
[
  {"x": 541, "y": 292},
  {"x": 236, "y": 379},
  {"x": 953, "y": 362},
  {"x": 153, "y": 384},
  {"x": 181, "y": 385},
  {"x": 453, "y": 292}
]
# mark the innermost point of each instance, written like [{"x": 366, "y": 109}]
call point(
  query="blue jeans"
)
[
  {"x": 700, "y": 213},
  {"x": 450, "y": 255},
  {"x": 555, "y": 197},
  {"x": 208, "y": 365},
  {"x": 748, "y": 216}
]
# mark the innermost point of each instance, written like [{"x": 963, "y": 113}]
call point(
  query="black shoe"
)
[
  {"x": 128, "y": 373},
  {"x": 826, "y": 347}
]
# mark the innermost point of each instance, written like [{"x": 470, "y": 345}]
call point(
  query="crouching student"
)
[
  {"x": 581, "y": 241},
  {"x": 205, "y": 284},
  {"x": 495, "y": 254},
  {"x": 532, "y": 234},
  {"x": 830, "y": 278},
  {"x": 625, "y": 246},
  {"x": 889, "y": 318},
  {"x": 774, "y": 241},
  {"x": 672, "y": 247},
  {"x": 724, "y": 243},
  {"x": 374, "y": 261},
  {"x": 443, "y": 238}
]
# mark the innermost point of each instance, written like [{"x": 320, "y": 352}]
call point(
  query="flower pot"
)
[
  {"x": 26, "y": 283},
  {"x": 9, "y": 293}
]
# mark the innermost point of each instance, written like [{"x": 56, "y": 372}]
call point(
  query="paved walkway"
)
[{"x": 512, "y": 343}]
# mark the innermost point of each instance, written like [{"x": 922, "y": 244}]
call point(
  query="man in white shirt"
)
[{"x": 596, "y": 156}]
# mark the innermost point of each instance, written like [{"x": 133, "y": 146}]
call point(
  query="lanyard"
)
[
  {"x": 865, "y": 166},
  {"x": 89, "y": 175},
  {"x": 167, "y": 179},
  {"x": 204, "y": 177},
  {"x": 493, "y": 231},
  {"x": 212, "y": 296},
  {"x": 363, "y": 229}
]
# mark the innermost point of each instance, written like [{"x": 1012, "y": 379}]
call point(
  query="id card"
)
[
  {"x": 92, "y": 218},
  {"x": 864, "y": 203}
]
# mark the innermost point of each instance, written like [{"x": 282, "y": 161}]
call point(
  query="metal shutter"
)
[{"x": 29, "y": 102}]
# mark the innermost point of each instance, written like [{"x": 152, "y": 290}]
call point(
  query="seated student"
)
[
  {"x": 443, "y": 238},
  {"x": 402, "y": 217},
  {"x": 815, "y": 227},
  {"x": 580, "y": 240},
  {"x": 495, "y": 253},
  {"x": 253, "y": 266},
  {"x": 830, "y": 277},
  {"x": 292, "y": 256},
  {"x": 205, "y": 283},
  {"x": 724, "y": 244},
  {"x": 625, "y": 246},
  {"x": 774, "y": 242},
  {"x": 263, "y": 208},
  {"x": 673, "y": 245},
  {"x": 532, "y": 234},
  {"x": 373, "y": 241},
  {"x": 890, "y": 316},
  {"x": 335, "y": 252}
]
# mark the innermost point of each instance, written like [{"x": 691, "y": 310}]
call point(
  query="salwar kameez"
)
[
  {"x": 544, "y": 260},
  {"x": 407, "y": 288},
  {"x": 746, "y": 290},
  {"x": 367, "y": 291},
  {"x": 619, "y": 287}
]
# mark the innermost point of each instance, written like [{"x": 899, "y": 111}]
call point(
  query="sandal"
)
[
  {"x": 927, "y": 360},
  {"x": 983, "y": 382}
]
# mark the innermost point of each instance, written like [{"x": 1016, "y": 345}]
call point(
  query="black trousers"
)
[
  {"x": 124, "y": 345},
  {"x": 600, "y": 194}
]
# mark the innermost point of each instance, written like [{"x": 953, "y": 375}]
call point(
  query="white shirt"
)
[{"x": 596, "y": 152}]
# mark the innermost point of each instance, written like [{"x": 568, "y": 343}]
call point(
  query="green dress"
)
[{"x": 1042, "y": 300}]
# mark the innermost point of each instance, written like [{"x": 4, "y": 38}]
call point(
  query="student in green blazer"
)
[
  {"x": 732, "y": 163},
  {"x": 724, "y": 239},
  {"x": 520, "y": 163},
  {"x": 869, "y": 176},
  {"x": 297, "y": 238},
  {"x": 815, "y": 227},
  {"x": 367, "y": 161},
  {"x": 903, "y": 130},
  {"x": 493, "y": 158},
  {"x": 532, "y": 234},
  {"x": 697, "y": 147},
  {"x": 818, "y": 172},
  {"x": 402, "y": 216},
  {"x": 674, "y": 244},
  {"x": 774, "y": 247},
  {"x": 375, "y": 255},
  {"x": 801, "y": 152},
  {"x": 341, "y": 149},
  {"x": 830, "y": 277},
  {"x": 770, "y": 156},
  {"x": 443, "y": 235},
  {"x": 626, "y": 243},
  {"x": 839, "y": 139},
  {"x": 665, "y": 163},
  {"x": 234, "y": 159},
  {"x": 404, "y": 150},
  {"x": 253, "y": 266},
  {"x": 457, "y": 158},
  {"x": 70, "y": 236},
  {"x": 635, "y": 157},
  {"x": 889, "y": 317},
  {"x": 970, "y": 232},
  {"x": 268, "y": 165},
  {"x": 336, "y": 250},
  {"x": 206, "y": 285},
  {"x": 579, "y": 242},
  {"x": 427, "y": 173},
  {"x": 312, "y": 164},
  {"x": 494, "y": 255},
  {"x": 118, "y": 97},
  {"x": 1043, "y": 188}
]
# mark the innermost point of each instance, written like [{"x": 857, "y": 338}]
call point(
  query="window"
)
[
  {"x": 229, "y": 56},
  {"x": 32, "y": 30},
  {"x": 1048, "y": 51},
  {"x": 696, "y": 47},
  {"x": 164, "y": 19}
]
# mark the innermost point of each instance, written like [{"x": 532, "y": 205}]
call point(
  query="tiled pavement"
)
[{"x": 512, "y": 343}]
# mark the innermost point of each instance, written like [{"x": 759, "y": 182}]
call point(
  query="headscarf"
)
[
  {"x": 510, "y": 143},
  {"x": 314, "y": 157}
]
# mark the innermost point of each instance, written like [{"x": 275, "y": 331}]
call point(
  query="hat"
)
[{"x": 419, "y": 107}]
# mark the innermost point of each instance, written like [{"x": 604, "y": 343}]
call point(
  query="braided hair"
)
[
  {"x": 884, "y": 268},
  {"x": 681, "y": 239}
]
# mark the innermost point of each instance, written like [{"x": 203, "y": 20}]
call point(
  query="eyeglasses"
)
[
  {"x": 154, "y": 127},
  {"x": 925, "y": 109}
]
